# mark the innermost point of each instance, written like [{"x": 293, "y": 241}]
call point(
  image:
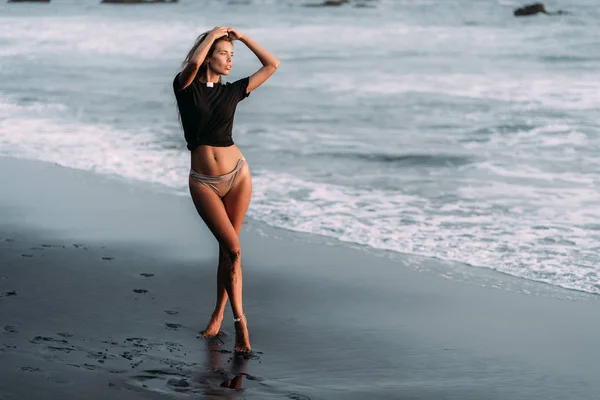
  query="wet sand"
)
[{"x": 105, "y": 286}]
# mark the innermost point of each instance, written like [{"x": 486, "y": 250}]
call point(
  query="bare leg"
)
[
  {"x": 236, "y": 203},
  {"x": 216, "y": 319},
  {"x": 225, "y": 218},
  {"x": 231, "y": 274}
]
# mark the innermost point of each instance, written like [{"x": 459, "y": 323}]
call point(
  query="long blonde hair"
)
[{"x": 201, "y": 73}]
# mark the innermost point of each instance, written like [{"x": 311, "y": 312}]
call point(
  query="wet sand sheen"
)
[{"x": 105, "y": 286}]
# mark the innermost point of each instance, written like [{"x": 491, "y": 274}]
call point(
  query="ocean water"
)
[{"x": 449, "y": 130}]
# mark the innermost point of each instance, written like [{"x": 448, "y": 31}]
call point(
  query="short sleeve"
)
[
  {"x": 238, "y": 89},
  {"x": 176, "y": 85}
]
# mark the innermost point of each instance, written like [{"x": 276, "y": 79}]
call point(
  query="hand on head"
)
[
  {"x": 221, "y": 31},
  {"x": 234, "y": 34}
]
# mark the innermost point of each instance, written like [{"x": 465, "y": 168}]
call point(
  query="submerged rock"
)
[{"x": 138, "y": 1}]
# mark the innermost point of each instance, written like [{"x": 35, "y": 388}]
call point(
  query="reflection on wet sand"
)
[{"x": 224, "y": 369}]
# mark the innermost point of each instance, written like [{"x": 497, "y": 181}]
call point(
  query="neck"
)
[{"x": 212, "y": 76}]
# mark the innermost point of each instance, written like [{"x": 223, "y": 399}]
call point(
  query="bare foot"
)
[
  {"x": 212, "y": 330},
  {"x": 242, "y": 339}
]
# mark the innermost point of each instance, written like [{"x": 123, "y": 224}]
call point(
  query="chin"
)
[{"x": 226, "y": 72}]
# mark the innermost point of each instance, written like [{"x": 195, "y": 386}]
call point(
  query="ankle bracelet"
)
[{"x": 237, "y": 319}]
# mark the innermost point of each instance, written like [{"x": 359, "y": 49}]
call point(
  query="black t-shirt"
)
[{"x": 207, "y": 112}]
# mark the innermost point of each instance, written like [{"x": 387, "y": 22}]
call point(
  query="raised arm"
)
[
  {"x": 269, "y": 62},
  {"x": 195, "y": 61}
]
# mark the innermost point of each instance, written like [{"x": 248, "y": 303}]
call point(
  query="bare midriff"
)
[{"x": 213, "y": 160}]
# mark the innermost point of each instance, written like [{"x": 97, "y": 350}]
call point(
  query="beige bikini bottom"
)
[{"x": 220, "y": 184}]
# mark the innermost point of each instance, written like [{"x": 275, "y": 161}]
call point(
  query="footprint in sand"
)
[
  {"x": 30, "y": 369},
  {"x": 42, "y": 339},
  {"x": 10, "y": 329},
  {"x": 57, "y": 379},
  {"x": 140, "y": 290},
  {"x": 178, "y": 383},
  {"x": 27, "y": 255},
  {"x": 172, "y": 326},
  {"x": 138, "y": 343},
  {"x": 100, "y": 356},
  {"x": 6, "y": 347},
  {"x": 127, "y": 355},
  {"x": 146, "y": 275},
  {"x": 89, "y": 367},
  {"x": 116, "y": 371},
  {"x": 7, "y": 294},
  {"x": 172, "y": 312},
  {"x": 108, "y": 258},
  {"x": 296, "y": 396},
  {"x": 165, "y": 379}
]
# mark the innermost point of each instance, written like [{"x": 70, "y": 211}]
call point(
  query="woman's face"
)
[{"x": 221, "y": 60}]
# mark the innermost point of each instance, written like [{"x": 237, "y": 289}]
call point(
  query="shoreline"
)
[{"x": 326, "y": 321}]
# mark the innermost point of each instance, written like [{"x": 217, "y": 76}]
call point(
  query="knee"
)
[{"x": 232, "y": 252}]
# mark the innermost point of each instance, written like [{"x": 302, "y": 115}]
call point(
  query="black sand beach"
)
[{"x": 105, "y": 285}]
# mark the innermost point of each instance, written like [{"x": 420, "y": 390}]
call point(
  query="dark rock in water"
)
[
  {"x": 531, "y": 9},
  {"x": 138, "y": 1},
  {"x": 334, "y": 2},
  {"x": 329, "y": 3},
  {"x": 536, "y": 8}
]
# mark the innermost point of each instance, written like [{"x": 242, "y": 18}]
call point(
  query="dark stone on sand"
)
[
  {"x": 108, "y": 258},
  {"x": 12, "y": 293},
  {"x": 146, "y": 275},
  {"x": 140, "y": 290},
  {"x": 138, "y": 1}
]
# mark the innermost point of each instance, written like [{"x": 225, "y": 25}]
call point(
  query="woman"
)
[{"x": 219, "y": 181}]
